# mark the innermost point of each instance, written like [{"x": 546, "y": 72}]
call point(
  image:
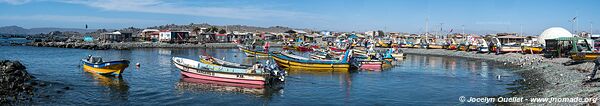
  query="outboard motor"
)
[{"x": 275, "y": 70}]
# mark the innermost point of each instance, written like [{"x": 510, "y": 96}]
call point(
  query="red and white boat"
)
[{"x": 257, "y": 74}]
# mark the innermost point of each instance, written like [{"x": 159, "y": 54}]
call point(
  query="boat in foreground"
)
[
  {"x": 96, "y": 65},
  {"x": 257, "y": 74}
]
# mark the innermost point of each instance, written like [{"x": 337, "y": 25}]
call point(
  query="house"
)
[
  {"x": 115, "y": 37},
  {"x": 150, "y": 35},
  {"x": 173, "y": 36}
]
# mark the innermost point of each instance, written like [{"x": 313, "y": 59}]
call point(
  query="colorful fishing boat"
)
[
  {"x": 304, "y": 48},
  {"x": 532, "y": 49},
  {"x": 257, "y": 74},
  {"x": 336, "y": 49},
  {"x": 96, "y": 65},
  {"x": 253, "y": 53},
  {"x": 397, "y": 54},
  {"x": 215, "y": 61},
  {"x": 370, "y": 64},
  {"x": 286, "y": 60}
]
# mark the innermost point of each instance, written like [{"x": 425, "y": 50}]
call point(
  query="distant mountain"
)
[
  {"x": 13, "y": 30},
  {"x": 23, "y": 31}
]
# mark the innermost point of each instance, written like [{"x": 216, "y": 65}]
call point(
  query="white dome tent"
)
[{"x": 554, "y": 32}]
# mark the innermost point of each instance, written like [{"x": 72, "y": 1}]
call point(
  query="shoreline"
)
[
  {"x": 542, "y": 77},
  {"x": 129, "y": 45}
]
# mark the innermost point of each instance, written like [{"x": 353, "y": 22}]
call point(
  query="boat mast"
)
[
  {"x": 426, "y": 25},
  {"x": 521, "y": 33}
]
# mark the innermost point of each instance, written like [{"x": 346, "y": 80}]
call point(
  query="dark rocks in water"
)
[{"x": 14, "y": 80}]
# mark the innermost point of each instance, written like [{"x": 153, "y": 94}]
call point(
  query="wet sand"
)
[{"x": 542, "y": 77}]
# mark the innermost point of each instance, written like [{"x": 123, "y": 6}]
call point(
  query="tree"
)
[
  {"x": 213, "y": 29},
  {"x": 222, "y": 31}
]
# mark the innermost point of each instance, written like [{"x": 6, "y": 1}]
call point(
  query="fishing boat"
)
[
  {"x": 507, "y": 43},
  {"x": 397, "y": 54},
  {"x": 336, "y": 49},
  {"x": 253, "y": 53},
  {"x": 215, "y": 61},
  {"x": 482, "y": 46},
  {"x": 369, "y": 64},
  {"x": 256, "y": 75},
  {"x": 286, "y": 60},
  {"x": 382, "y": 43},
  {"x": 96, "y": 65},
  {"x": 304, "y": 48},
  {"x": 532, "y": 49},
  {"x": 434, "y": 44}
]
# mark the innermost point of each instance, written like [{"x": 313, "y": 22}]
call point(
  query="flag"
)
[
  {"x": 86, "y": 26},
  {"x": 451, "y": 30},
  {"x": 573, "y": 20}
]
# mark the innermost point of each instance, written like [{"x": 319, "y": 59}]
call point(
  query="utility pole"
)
[
  {"x": 441, "y": 29},
  {"x": 463, "y": 29}
]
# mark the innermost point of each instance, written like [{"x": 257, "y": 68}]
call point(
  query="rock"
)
[{"x": 14, "y": 80}]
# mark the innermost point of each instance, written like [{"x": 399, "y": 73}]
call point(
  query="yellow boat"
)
[
  {"x": 291, "y": 61},
  {"x": 382, "y": 44},
  {"x": 96, "y": 65},
  {"x": 435, "y": 46},
  {"x": 584, "y": 56},
  {"x": 532, "y": 49},
  {"x": 252, "y": 53}
]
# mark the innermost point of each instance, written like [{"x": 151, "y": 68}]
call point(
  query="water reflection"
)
[
  {"x": 118, "y": 89},
  {"x": 187, "y": 84}
]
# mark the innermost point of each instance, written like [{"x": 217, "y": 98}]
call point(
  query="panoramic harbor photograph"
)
[{"x": 299, "y": 52}]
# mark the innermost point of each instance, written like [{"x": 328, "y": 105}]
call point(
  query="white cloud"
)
[
  {"x": 15, "y": 2},
  {"x": 83, "y": 19},
  {"x": 169, "y": 7}
]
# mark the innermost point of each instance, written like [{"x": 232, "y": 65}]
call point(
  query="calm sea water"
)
[{"x": 417, "y": 80}]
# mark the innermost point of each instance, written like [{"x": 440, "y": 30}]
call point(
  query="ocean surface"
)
[{"x": 416, "y": 80}]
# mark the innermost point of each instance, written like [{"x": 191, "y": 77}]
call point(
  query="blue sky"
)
[{"x": 338, "y": 15}]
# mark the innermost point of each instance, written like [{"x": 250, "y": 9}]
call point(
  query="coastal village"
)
[{"x": 572, "y": 58}]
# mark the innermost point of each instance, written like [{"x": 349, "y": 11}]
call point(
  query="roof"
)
[
  {"x": 511, "y": 36},
  {"x": 554, "y": 32},
  {"x": 569, "y": 38},
  {"x": 299, "y": 31},
  {"x": 150, "y": 30}
]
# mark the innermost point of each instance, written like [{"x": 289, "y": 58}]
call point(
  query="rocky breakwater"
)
[
  {"x": 542, "y": 77},
  {"x": 15, "y": 83},
  {"x": 93, "y": 46}
]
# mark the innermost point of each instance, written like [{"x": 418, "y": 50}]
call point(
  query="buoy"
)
[
  {"x": 137, "y": 65},
  {"x": 498, "y": 77}
]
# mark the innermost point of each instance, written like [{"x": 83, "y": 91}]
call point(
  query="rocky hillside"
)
[
  {"x": 240, "y": 28},
  {"x": 23, "y": 31}
]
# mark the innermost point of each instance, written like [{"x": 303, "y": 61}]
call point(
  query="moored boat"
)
[
  {"x": 532, "y": 49},
  {"x": 286, "y": 60},
  {"x": 257, "y": 74},
  {"x": 253, "y": 53},
  {"x": 96, "y": 65}
]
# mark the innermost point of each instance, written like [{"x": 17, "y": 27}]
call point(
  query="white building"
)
[
  {"x": 165, "y": 36},
  {"x": 552, "y": 33}
]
